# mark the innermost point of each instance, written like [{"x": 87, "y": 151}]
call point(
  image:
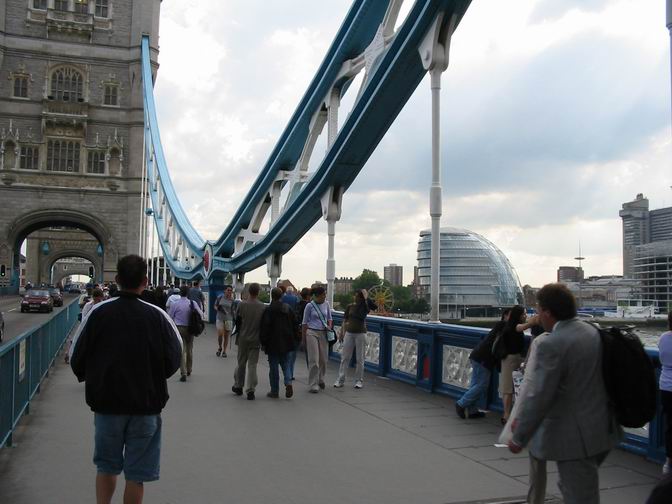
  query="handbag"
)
[{"x": 331, "y": 334}]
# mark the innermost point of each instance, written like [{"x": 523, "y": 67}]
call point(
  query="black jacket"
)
[
  {"x": 124, "y": 350},
  {"x": 483, "y": 351},
  {"x": 277, "y": 329}
]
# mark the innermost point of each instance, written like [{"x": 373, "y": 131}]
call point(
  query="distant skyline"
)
[{"x": 554, "y": 113}]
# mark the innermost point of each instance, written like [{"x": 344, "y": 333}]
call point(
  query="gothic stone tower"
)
[{"x": 71, "y": 122}]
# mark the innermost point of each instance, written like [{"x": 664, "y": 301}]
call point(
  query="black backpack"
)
[
  {"x": 498, "y": 348},
  {"x": 196, "y": 324},
  {"x": 629, "y": 377}
]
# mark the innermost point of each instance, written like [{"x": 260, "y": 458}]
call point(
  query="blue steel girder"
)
[
  {"x": 175, "y": 231},
  {"x": 389, "y": 83}
]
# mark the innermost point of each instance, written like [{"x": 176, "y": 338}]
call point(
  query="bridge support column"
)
[
  {"x": 274, "y": 268},
  {"x": 434, "y": 51},
  {"x": 238, "y": 284},
  {"x": 331, "y": 211},
  {"x": 213, "y": 286}
]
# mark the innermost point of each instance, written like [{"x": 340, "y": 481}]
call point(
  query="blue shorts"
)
[{"x": 131, "y": 443}]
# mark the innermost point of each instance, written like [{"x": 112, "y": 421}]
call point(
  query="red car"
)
[
  {"x": 37, "y": 300},
  {"x": 56, "y": 296}
]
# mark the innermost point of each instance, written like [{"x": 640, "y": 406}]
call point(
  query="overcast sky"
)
[{"x": 554, "y": 113}]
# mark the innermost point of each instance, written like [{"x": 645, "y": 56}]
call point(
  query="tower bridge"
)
[{"x": 80, "y": 148}]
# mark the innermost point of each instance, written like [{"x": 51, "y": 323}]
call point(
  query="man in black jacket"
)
[
  {"x": 276, "y": 335},
  {"x": 124, "y": 351}
]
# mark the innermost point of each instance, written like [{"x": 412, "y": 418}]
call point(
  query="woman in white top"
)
[{"x": 665, "y": 350}]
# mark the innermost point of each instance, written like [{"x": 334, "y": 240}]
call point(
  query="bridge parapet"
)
[
  {"x": 435, "y": 358},
  {"x": 24, "y": 363}
]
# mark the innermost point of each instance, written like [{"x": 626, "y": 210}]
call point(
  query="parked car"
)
[
  {"x": 56, "y": 296},
  {"x": 37, "y": 300},
  {"x": 74, "y": 289}
]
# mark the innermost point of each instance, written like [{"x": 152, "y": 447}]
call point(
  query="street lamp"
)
[{"x": 579, "y": 275}]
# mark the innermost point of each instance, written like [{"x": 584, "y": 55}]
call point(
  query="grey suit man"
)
[{"x": 565, "y": 415}]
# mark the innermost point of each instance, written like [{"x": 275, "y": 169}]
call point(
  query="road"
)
[{"x": 16, "y": 323}]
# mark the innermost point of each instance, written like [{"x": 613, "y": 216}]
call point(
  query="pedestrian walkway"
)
[{"x": 387, "y": 443}]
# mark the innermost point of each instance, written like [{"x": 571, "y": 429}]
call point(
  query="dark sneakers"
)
[
  {"x": 273, "y": 395},
  {"x": 250, "y": 395},
  {"x": 460, "y": 411},
  {"x": 289, "y": 391},
  {"x": 321, "y": 385},
  {"x": 183, "y": 378},
  {"x": 478, "y": 414},
  {"x": 237, "y": 390}
]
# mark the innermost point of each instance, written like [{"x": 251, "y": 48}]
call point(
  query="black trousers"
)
[{"x": 666, "y": 400}]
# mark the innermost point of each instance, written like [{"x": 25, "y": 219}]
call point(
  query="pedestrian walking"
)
[
  {"x": 173, "y": 297},
  {"x": 224, "y": 320},
  {"x": 276, "y": 334},
  {"x": 482, "y": 363},
  {"x": 665, "y": 384},
  {"x": 196, "y": 294},
  {"x": 353, "y": 335},
  {"x": 180, "y": 312},
  {"x": 565, "y": 415},
  {"x": 124, "y": 351},
  {"x": 248, "y": 321},
  {"x": 316, "y": 333}
]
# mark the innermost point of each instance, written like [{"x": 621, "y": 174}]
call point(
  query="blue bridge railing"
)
[
  {"x": 435, "y": 358},
  {"x": 25, "y": 362}
]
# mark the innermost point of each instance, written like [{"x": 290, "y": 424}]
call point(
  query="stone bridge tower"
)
[{"x": 71, "y": 122}]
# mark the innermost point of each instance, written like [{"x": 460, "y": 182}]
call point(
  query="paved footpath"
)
[{"x": 387, "y": 443}]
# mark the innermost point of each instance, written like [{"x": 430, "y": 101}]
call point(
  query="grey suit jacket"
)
[{"x": 565, "y": 413}]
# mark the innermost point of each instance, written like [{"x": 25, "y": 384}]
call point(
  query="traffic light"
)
[
  {"x": 3, "y": 270},
  {"x": 90, "y": 271}
]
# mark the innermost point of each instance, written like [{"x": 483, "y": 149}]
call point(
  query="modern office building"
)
[
  {"x": 642, "y": 226},
  {"x": 652, "y": 267},
  {"x": 394, "y": 274},
  {"x": 570, "y": 274},
  {"x": 476, "y": 278}
]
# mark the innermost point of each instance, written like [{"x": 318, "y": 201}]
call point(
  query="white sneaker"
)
[
  {"x": 338, "y": 384},
  {"x": 666, "y": 468},
  {"x": 359, "y": 384}
]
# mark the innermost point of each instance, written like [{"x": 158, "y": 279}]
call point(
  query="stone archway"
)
[
  {"x": 30, "y": 222},
  {"x": 53, "y": 258},
  {"x": 59, "y": 271}
]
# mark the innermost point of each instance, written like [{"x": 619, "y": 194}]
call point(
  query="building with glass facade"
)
[{"x": 476, "y": 278}]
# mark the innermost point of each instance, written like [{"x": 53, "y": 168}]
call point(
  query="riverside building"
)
[{"x": 476, "y": 278}]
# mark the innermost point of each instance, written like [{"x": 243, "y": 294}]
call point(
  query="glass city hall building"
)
[{"x": 476, "y": 278}]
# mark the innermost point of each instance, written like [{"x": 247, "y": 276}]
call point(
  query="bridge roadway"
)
[
  {"x": 16, "y": 323},
  {"x": 387, "y": 443}
]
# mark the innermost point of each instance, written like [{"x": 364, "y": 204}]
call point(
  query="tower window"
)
[
  {"x": 40, "y": 4},
  {"x": 111, "y": 95},
  {"x": 96, "y": 162},
  {"x": 29, "y": 158},
  {"x": 67, "y": 84},
  {"x": 61, "y": 5},
  {"x": 82, "y": 6},
  {"x": 20, "y": 87},
  {"x": 102, "y": 8},
  {"x": 63, "y": 155}
]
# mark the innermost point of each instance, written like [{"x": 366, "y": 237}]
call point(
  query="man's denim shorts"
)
[{"x": 131, "y": 443}]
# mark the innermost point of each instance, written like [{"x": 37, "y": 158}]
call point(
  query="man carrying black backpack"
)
[
  {"x": 181, "y": 312},
  {"x": 276, "y": 334},
  {"x": 565, "y": 415}
]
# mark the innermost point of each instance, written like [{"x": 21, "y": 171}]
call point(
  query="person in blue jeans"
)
[
  {"x": 277, "y": 332},
  {"x": 482, "y": 364}
]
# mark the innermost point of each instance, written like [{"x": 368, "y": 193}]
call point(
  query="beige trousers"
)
[
  {"x": 187, "y": 350},
  {"x": 317, "y": 349},
  {"x": 248, "y": 357}
]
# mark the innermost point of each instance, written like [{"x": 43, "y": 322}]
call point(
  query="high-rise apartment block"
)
[
  {"x": 394, "y": 274},
  {"x": 570, "y": 274},
  {"x": 647, "y": 249}
]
